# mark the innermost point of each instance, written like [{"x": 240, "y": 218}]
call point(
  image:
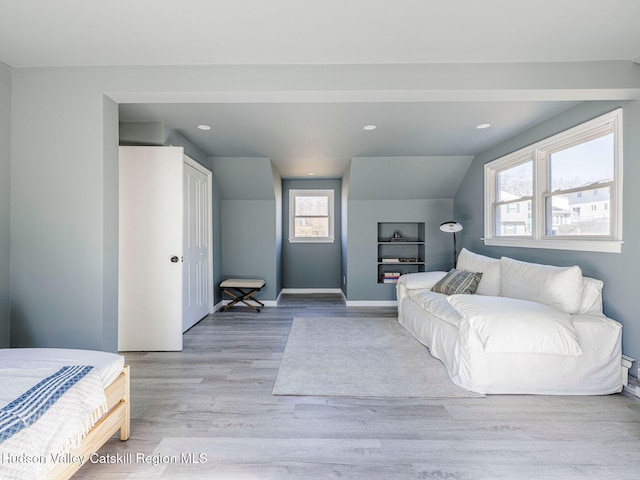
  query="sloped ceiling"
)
[
  {"x": 244, "y": 178},
  {"x": 406, "y": 178}
]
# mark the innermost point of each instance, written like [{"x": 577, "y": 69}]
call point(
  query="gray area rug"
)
[{"x": 360, "y": 357}]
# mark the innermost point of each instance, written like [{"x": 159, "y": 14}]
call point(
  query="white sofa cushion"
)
[
  {"x": 489, "y": 267},
  {"x": 591, "y": 296},
  {"x": 414, "y": 281},
  {"x": 558, "y": 287},
  {"x": 509, "y": 325},
  {"x": 437, "y": 305}
]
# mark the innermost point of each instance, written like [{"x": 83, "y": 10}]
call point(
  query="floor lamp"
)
[{"x": 452, "y": 227}]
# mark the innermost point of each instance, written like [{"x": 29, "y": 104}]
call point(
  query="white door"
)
[
  {"x": 150, "y": 275},
  {"x": 196, "y": 276}
]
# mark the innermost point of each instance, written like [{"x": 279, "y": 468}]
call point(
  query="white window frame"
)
[
  {"x": 293, "y": 193},
  {"x": 539, "y": 153}
]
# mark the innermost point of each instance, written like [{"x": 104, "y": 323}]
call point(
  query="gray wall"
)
[
  {"x": 616, "y": 270},
  {"x": 216, "y": 212},
  {"x": 249, "y": 220},
  {"x": 344, "y": 238},
  {"x": 59, "y": 216},
  {"x": 362, "y": 255},
  {"x": 397, "y": 189},
  {"x": 158, "y": 134},
  {"x": 110, "y": 238},
  {"x": 312, "y": 265},
  {"x": 143, "y": 133},
  {"x": 60, "y": 213},
  {"x": 249, "y": 242},
  {"x": 5, "y": 186},
  {"x": 277, "y": 188}
]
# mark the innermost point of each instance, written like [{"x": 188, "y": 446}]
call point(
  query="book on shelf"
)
[
  {"x": 390, "y": 277},
  {"x": 399, "y": 260}
]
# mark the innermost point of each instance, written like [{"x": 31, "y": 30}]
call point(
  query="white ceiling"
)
[
  {"x": 198, "y": 32},
  {"x": 321, "y": 138}
]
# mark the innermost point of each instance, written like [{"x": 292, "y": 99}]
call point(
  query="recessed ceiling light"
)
[
  {"x": 311, "y": 174},
  {"x": 369, "y": 127},
  {"x": 204, "y": 127},
  {"x": 483, "y": 126}
]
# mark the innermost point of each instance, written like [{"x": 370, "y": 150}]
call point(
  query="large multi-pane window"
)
[
  {"x": 311, "y": 216},
  {"x": 563, "y": 192}
]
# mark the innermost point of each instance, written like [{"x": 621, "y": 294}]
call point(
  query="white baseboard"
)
[
  {"x": 372, "y": 303},
  {"x": 218, "y": 306},
  {"x": 267, "y": 303},
  {"x": 302, "y": 291}
]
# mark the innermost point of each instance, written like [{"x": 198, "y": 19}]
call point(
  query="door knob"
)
[{"x": 174, "y": 259}]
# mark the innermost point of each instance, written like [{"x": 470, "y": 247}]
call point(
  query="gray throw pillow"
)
[{"x": 458, "y": 281}]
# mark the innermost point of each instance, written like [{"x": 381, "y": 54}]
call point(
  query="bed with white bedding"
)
[
  {"x": 57, "y": 406},
  {"x": 491, "y": 343}
]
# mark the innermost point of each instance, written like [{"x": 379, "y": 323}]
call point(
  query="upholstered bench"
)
[{"x": 243, "y": 290}]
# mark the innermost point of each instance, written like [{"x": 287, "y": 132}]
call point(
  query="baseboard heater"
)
[{"x": 630, "y": 383}]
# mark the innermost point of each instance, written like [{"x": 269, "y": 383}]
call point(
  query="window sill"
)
[
  {"x": 605, "y": 246},
  {"x": 311, "y": 240}
]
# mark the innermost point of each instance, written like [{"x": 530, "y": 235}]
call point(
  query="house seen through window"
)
[
  {"x": 311, "y": 216},
  {"x": 563, "y": 192}
]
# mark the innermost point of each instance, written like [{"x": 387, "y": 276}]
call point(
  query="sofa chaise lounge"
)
[{"x": 529, "y": 329}]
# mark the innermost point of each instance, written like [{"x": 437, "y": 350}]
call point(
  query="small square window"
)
[{"x": 311, "y": 215}]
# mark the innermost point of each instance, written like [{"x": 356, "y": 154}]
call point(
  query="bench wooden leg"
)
[{"x": 244, "y": 297}]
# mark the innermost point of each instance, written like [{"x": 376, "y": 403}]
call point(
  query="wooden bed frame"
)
[{"x": 118, "y": 417}]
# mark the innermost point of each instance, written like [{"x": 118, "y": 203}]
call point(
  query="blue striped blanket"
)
[
  {"x": 49, "y": 419},
  {"x": 31, "y": 405}
]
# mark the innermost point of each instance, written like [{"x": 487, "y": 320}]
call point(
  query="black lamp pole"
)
[{"x": 455, "y": 251}]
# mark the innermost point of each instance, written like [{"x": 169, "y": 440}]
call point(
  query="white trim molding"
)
[
  {"x": 304, "y": 291},
  {"x": 372, "y": 303},
  {"x": 267, "y": 303},
  {"x": 218, "y": 306},
  {"x": 539, "y": 231},
  {"x": 329, "y": 193},
  {"x": 603, "y": 246}
]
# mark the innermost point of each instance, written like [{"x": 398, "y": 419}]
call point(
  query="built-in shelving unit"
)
[{"x": 400, "y": 255}]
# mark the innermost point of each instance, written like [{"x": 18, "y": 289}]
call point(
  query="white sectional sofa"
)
[{"x": 528, "y": 329}]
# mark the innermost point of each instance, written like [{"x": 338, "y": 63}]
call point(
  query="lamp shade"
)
[{"x": 450, "y": 226}]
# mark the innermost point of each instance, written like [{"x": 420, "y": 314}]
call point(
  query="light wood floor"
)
[{"x": 214, "y": 398}]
